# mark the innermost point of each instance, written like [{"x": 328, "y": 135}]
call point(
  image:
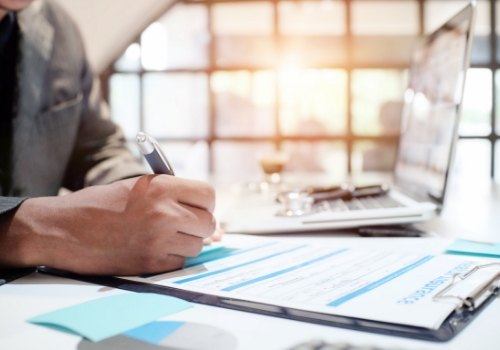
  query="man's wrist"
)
[{"x": 18, "y": 236}]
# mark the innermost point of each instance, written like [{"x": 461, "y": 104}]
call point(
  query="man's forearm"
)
[
  {"x": 141, "y": 225},
  {"x": 14, "y": 238}
]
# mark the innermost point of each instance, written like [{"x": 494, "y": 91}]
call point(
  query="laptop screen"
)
[{"x": 431, "y": 107}]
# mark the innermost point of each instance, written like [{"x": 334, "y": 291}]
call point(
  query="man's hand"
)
[{"x": 141, "y": 225}]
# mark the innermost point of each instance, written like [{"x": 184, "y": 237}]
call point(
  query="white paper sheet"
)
[{"x": 383, "y": 285}]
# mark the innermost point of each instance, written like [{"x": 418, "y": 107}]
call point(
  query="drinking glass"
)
[{"x": 272, "y": 165}]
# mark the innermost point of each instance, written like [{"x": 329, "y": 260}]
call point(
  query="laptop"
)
[{"x": 429, "y": 131}]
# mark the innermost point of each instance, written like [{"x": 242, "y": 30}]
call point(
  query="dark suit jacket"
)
[{"x": 62, "y": 132}]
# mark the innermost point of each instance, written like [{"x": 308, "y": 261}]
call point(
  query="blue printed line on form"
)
[
  {"x": 380, "y": 282},
  {"x": 280, "y": 272},
  {"x": 236, "y": 252},
  {"x": 240, "y": 251},
  {"x": 197, "y": 277}
]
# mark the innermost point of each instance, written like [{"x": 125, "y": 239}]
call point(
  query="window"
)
[{"x": 233, "y": 79}]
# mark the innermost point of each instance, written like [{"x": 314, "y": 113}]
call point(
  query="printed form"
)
[{"x": 387, "y": 286}]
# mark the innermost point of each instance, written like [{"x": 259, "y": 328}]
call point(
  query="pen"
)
[
  {"x": 150, "y": 148},
  {"x": 387, "y": 231},
  {"x": 158, "y": 162}
]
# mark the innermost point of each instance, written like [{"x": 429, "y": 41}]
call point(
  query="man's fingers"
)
[
  {"x": 218, "y": 233},
  {"x": 181, "y": 244},
  {"x": 195, "y": 221},
  {"x": 168, "y": 263},
  {"x": 194, "y": 193}
]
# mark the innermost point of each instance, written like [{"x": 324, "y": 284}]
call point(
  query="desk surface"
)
[{"x": 469, "y": 213}]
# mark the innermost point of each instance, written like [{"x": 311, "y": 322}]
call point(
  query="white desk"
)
[
  {"x": 472, "y": 211},
  {"x": 36, "y": 294}
]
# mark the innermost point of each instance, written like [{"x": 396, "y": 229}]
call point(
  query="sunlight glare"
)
[{"x": 154, "y": 47}]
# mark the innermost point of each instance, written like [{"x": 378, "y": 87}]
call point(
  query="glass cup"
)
[{"x": 272, "y": 165}]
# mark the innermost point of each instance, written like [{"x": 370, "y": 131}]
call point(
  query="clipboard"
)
[{"x": 468, "y": 308}]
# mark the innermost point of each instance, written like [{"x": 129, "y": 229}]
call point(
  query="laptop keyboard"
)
[{"x": 375, "y": 202}]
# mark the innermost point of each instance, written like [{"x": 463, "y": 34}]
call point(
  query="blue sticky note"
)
[
  {"x": 209, "y": 253},
  {"x": 105, "y": 317},
  {"x": 465, "y": 247},
  {"x": 154, "y": 332}
]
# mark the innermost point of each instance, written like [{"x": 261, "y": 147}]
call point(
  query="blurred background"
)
[{"x": 221, "y": 82}]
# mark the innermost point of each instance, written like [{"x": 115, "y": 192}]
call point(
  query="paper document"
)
[{"x": 387, "y": 286}]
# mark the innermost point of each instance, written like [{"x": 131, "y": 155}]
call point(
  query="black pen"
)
[
  {"x": 388, "y": 231},
  {"x": 151, "y": 150}
]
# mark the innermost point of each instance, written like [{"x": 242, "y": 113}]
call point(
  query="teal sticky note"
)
[
  {"x": 105, "y": 317},
  {"x": 209, "y": 253},
  {"x": 465, "y": 247}
]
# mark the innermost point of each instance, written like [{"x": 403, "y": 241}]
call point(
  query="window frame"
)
[{"x": 349, "y": 139}]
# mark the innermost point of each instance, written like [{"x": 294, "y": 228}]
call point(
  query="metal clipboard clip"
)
[{"x": 481, "y": 293}]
